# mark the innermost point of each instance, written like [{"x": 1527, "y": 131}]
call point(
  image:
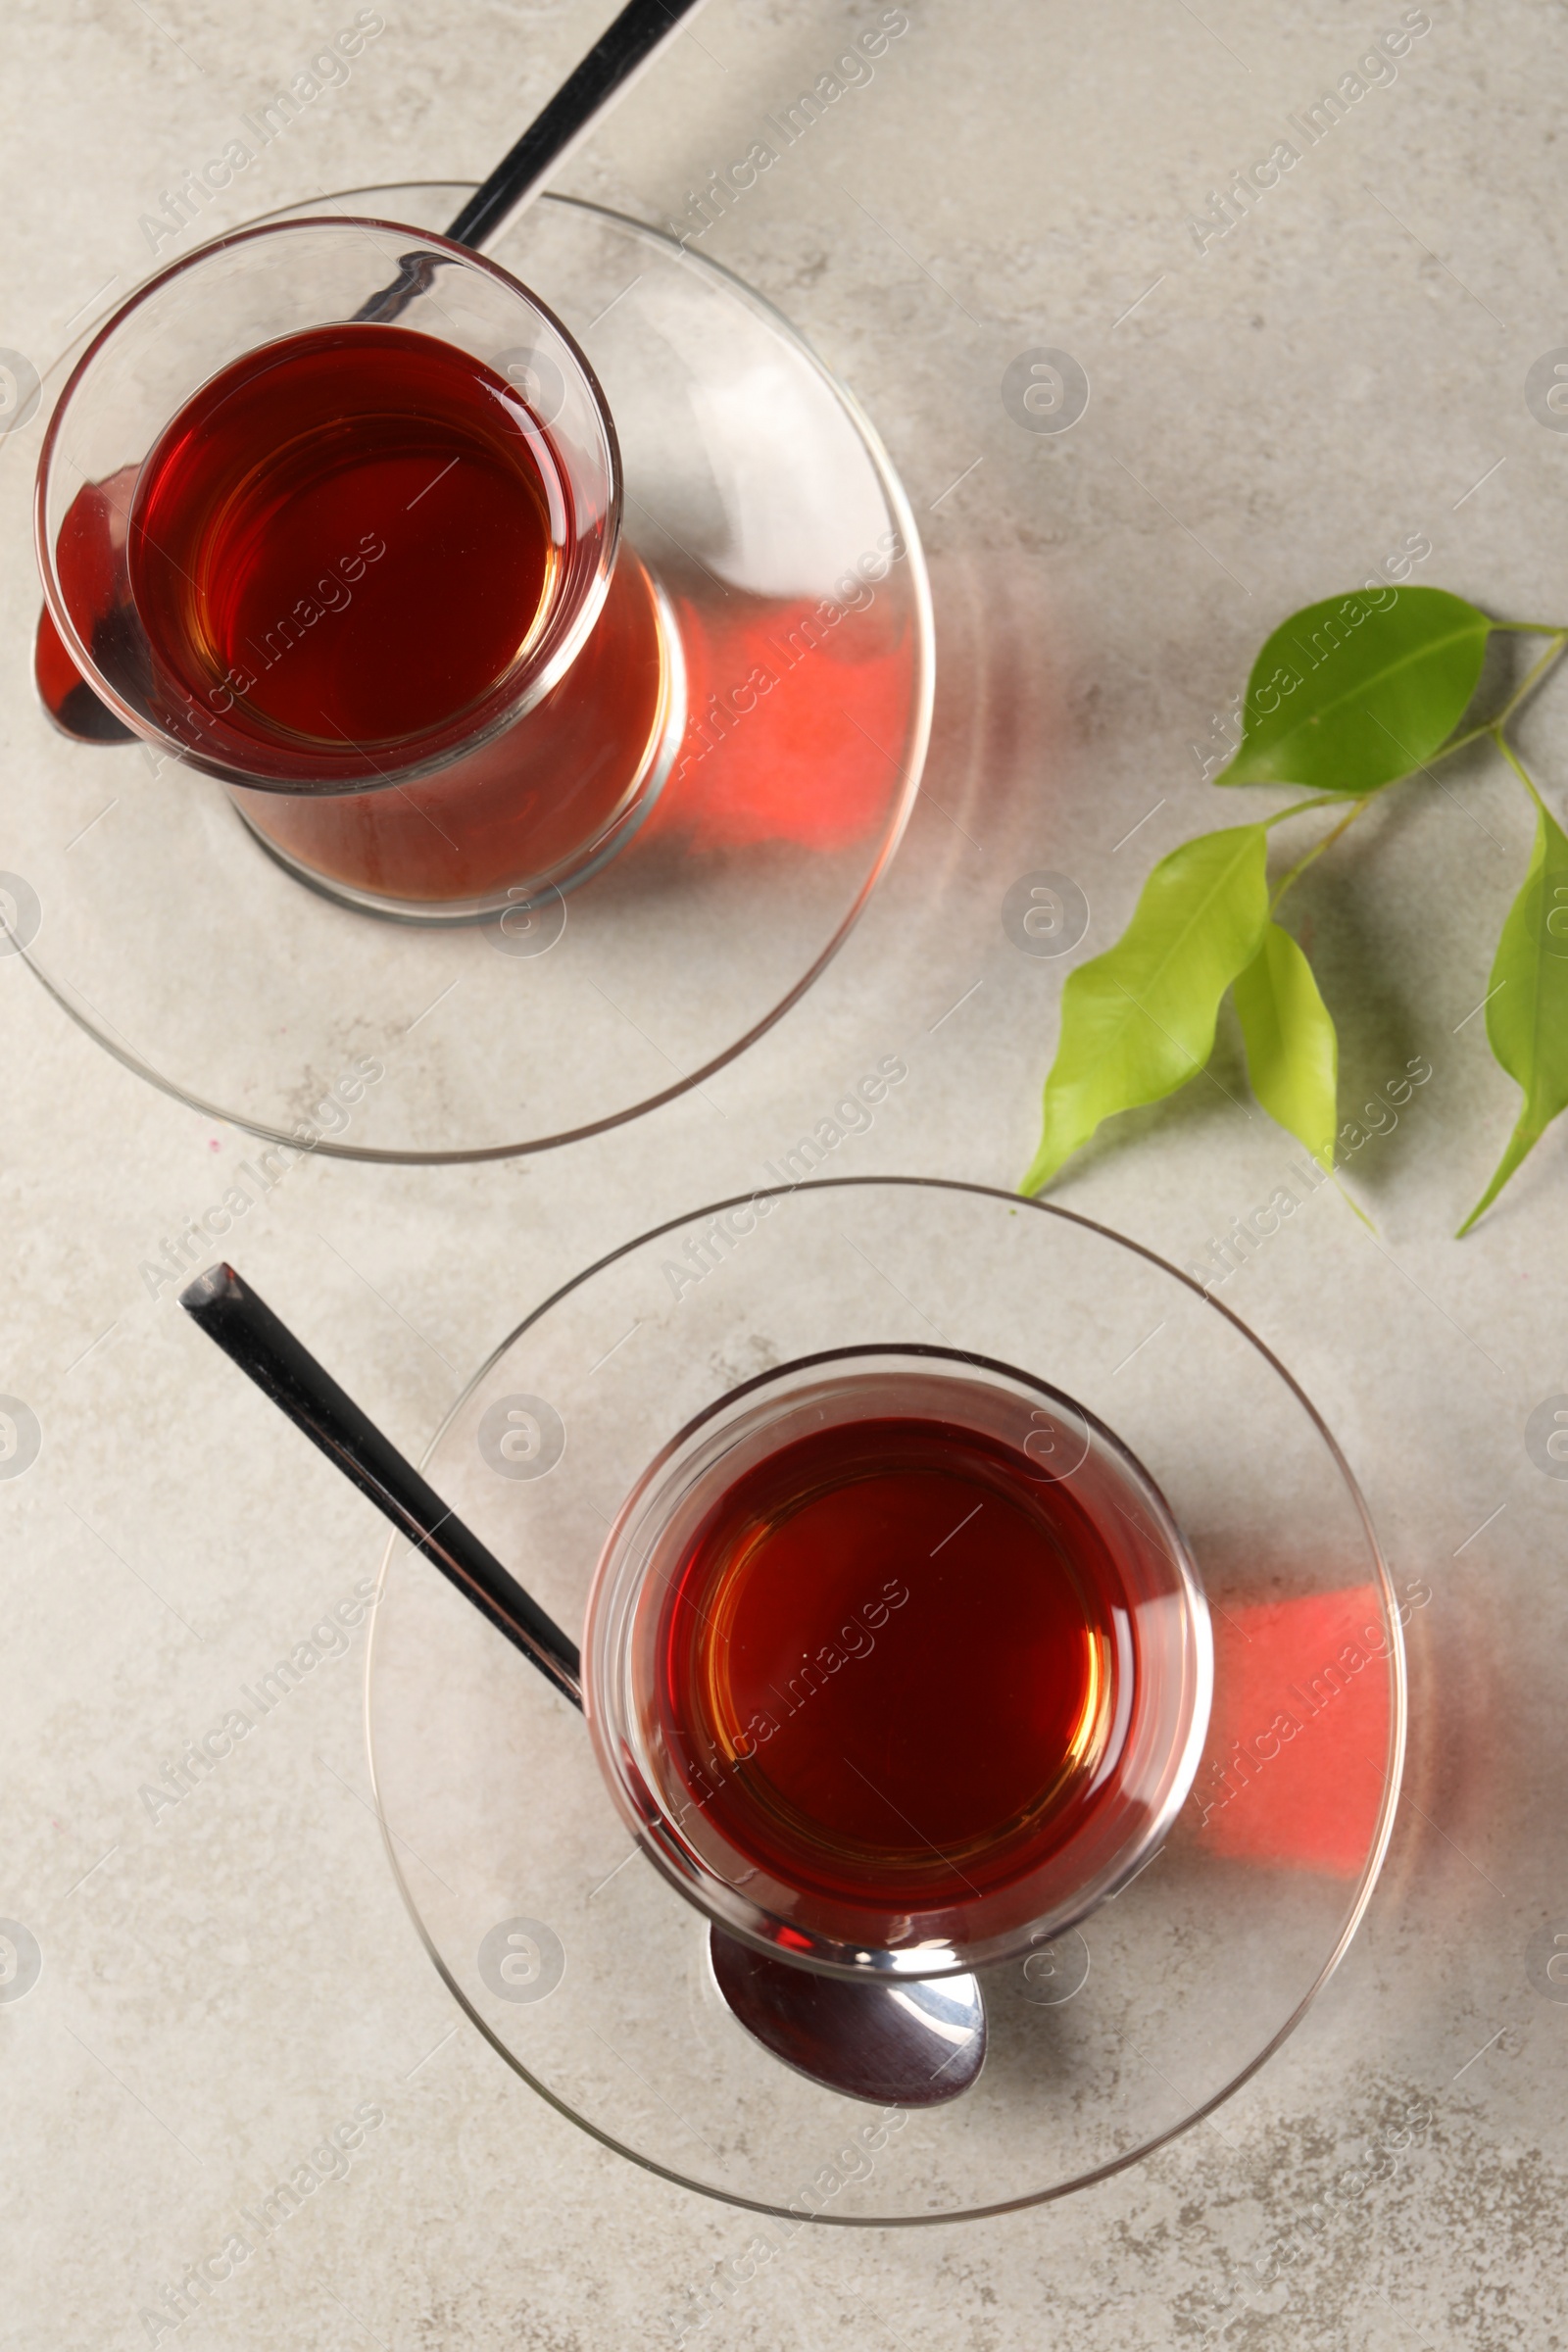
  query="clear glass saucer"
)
[
  {"x": 585, "y": 1969},
  {"x": 763, "y": 503}
]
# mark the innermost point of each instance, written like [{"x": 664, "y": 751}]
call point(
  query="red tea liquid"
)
[
  {"x": 341, "y": 546},
  {"x": 887, "y": 1663},
  {"x": 525, "y": 806},
  {"x": 349, "y": 535}
]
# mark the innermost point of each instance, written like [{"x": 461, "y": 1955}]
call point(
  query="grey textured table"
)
[{"x": 1274, "y": 412}]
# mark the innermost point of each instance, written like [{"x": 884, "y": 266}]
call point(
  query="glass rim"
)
[
  {"x": 558, "y": 643},
  {"x": 1350, "y": 1918},
  {"x": 382, "y": 202},
  {"x": 621, "y": 1575}
]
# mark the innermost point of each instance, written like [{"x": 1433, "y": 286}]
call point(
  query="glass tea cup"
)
[
  {"x": 897, "y": 1662},
  {"x": 367, "y": 570}
]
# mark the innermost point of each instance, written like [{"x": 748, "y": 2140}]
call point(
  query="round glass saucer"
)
[
  {"x": 762, "y": 501},
  {"x": 590, "y": 1975}
]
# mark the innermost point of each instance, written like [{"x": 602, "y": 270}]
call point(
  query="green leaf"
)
[
  {"x": 1352, "y": 693},
  {"x": 1292, "y": 1055},
  {"x": 1137, "y": 1022},
  {"x": 1527, "y": 1019}
]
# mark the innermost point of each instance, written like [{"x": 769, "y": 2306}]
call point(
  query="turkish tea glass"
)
[
  {"x": 666, "y": 1776},
  {"x": 527, "y": 785}
]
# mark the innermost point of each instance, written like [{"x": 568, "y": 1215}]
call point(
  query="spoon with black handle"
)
[
  {"x": 623, "y": 51},
  {"x": 908, "y": 2044}
]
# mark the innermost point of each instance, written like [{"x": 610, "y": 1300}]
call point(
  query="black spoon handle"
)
[
  {"x": 620, "y": 52},
  {"x": 248, "y": 1332}
]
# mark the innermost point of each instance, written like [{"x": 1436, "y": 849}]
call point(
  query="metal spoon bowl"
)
[{"x": 911, "y": 2045}]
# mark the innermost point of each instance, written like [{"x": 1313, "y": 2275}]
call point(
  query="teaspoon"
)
[{"x": 903, "y": 2045}]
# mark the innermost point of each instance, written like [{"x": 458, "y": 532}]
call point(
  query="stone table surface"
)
[{"x": 1334, "y": 386}]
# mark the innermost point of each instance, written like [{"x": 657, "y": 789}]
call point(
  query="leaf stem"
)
[
  {"x": 1351, "y": 1202},
  {"x": 1328, "y": 800},
  {"x": 1527, "y": 685},
  {"x": 1327, "y": 842},
  {"x": 1518, "y": 766},
  {"x": 1534, "y": 628},
  {"x": 1460, "y": 743},
  {"x": 1530, "y": 679}
]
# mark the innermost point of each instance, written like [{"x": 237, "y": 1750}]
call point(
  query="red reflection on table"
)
[
  {"x": 797, "y": 711},
  {"x": 1293, "y": 1766}
]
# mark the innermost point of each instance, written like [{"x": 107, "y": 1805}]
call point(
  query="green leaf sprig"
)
[{"x": 1347, "y": 697}]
